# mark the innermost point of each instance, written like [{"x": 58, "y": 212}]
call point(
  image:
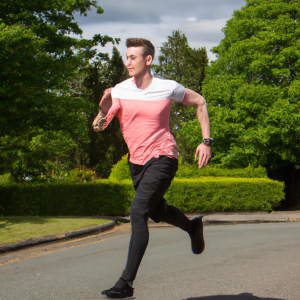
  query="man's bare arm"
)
[
  {"x": 106, "y": 101},
  {"x": 192, "y": 98}
]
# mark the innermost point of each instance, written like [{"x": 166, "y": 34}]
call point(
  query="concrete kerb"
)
[
  {"x": 56, "y": 237},
  {"x": 218, "y": 222},
  {"x": 228, "y": 218},
  {"x": 253, "y": 218}
]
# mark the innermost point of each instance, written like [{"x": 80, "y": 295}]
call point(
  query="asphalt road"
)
[{"x": 240, "y": 262}]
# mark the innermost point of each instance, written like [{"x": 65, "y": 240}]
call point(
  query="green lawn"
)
[{"x": 13, "y": 229}]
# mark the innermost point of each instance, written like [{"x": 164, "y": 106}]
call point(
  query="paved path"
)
[
  {"x": 234, "y": 218},
  {"x": 241, "y": 262},
  {"x": 280, "y": 216}
]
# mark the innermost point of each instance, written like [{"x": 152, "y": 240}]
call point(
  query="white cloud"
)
[
  {"x": 143, "y": 11},
  {"x": 191, "y": 19},
  {"x": 200, "y": 20},
  {"x": 206, "y": 33}
]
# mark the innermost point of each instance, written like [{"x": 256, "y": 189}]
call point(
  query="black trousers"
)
[{"x": 150, "y": 181}]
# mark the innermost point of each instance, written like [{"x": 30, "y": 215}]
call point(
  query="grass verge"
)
[{"x": 14, "y": 229}]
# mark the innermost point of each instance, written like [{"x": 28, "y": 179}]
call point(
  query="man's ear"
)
[{"x": 149, "y": 60}]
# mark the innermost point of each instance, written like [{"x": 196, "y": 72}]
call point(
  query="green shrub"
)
[
  {"x": 75, "y": 175},
  {"x": 66, "y": 199},
  {"x": 187, "y": 171},
  {"x": 106, "y": 197},
  {"x": 225, "y": 194},
  {"x": 80, "y": 175},
  {"x": 120, "y": 171},
  {"x": 6, "y": 179}
]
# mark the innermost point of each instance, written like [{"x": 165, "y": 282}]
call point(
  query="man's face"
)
[{"x": 136, "y": 64}]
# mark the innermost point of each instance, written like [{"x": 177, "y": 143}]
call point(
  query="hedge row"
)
[
  {"x": 66, "y": 199},
  {"x": 195, "y": 172},
  {"x": 106, "y": 197},
  {"x": 225, "y": 194},
  {"x": 120, "y": 171}
]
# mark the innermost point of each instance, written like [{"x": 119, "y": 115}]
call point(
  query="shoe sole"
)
[{"x": 114, "y": 295}]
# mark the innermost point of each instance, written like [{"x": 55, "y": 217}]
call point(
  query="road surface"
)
[{"x": 240, "y": 262}]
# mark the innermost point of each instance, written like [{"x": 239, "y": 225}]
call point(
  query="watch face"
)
[{"x": 208, "y": 142}]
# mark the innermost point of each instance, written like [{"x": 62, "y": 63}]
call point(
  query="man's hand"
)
[
  {"x": 204, "y": 154},
  {"x": 106, "y": 101}
]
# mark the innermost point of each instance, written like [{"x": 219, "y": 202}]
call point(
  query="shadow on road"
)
[{"x": 244, "y": 296}]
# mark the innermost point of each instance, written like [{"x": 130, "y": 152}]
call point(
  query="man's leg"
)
[
  {"x": 150, "y": 189},
  {"x": 171, "y": 215},
  {"x": 149, "y": 201}
]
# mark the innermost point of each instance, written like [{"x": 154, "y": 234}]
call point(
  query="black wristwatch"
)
[{"x": 207, "y": 142}]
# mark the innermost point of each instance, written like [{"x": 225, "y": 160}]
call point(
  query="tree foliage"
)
[
  {"x": 43, "y": 124},
  {"x": 253, "y": 90},
  {"x": 179, "y": 62},
  {"x": 106, "y": 147}
]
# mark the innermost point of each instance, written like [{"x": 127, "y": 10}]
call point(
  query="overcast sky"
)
[{"x": 200, "y": 20}]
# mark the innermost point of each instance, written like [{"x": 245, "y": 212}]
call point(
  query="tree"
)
[
  {"x": 105, "y": 148},
  {"x": 253, "y": 92},
  {"x": 43, "y": 124},
  {"x": 179, "y": 62},
  {"x": 186, "y": 65}
]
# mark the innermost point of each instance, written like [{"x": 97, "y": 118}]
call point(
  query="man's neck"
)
[{"x": 143, "y": 81}]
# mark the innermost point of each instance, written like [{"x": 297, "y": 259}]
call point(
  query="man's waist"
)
[{"x": 142, "y": 154}]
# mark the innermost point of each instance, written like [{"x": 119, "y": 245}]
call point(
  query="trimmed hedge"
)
[
  {"x": 120, "y": 171},
  {"x": 225, "y": 194},
  {"x": 195, "y": 172},
  {"x": 66, "y": 199},
  {"x": 106, "y": 197}
]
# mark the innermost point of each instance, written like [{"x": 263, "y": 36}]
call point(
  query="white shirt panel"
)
[{"x": 158, "y": 89}]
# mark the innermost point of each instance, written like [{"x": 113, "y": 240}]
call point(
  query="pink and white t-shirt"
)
[{"x": 144, "y": 117}]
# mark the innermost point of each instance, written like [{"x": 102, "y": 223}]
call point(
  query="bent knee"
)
[{"x": 155, "y": 218}]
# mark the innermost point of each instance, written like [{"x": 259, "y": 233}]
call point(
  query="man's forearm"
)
[
  {"x": 192, "y": 98},
  {"x": 203, "y": 118},
  {"x": 106, "y": 101}
]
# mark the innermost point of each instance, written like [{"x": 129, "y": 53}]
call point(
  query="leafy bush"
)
[
  {"x": 75, "y": 175},
  {"x": 81, "y": 175},
  {"x": 225, "y": 194},
  {"x": 187, "y": 171},
  {"x": 120, "y": 171},
  {"x": 6, "y": 179},
  {"x": 66, "y": 199},
  {"x": 107, "y": 197}
]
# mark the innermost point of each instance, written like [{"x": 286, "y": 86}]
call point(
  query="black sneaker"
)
[
  {"x": 196, "y": 235},
  {"x": 121, "y": 290}
]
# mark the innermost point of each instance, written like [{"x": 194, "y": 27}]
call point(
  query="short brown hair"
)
[{"x": 146, "y": 44}]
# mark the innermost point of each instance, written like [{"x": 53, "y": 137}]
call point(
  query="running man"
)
[{"x": 142, "y": 105}]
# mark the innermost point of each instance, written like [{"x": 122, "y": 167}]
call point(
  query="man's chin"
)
[{"x": 131, "y": 73}]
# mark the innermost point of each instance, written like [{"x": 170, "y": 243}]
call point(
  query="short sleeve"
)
[
  {"x": 178, "y": 93},
  {"x": 113, "y": 93}
]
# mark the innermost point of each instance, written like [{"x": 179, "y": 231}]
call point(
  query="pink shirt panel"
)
[{"x": 145, "y": 126}]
